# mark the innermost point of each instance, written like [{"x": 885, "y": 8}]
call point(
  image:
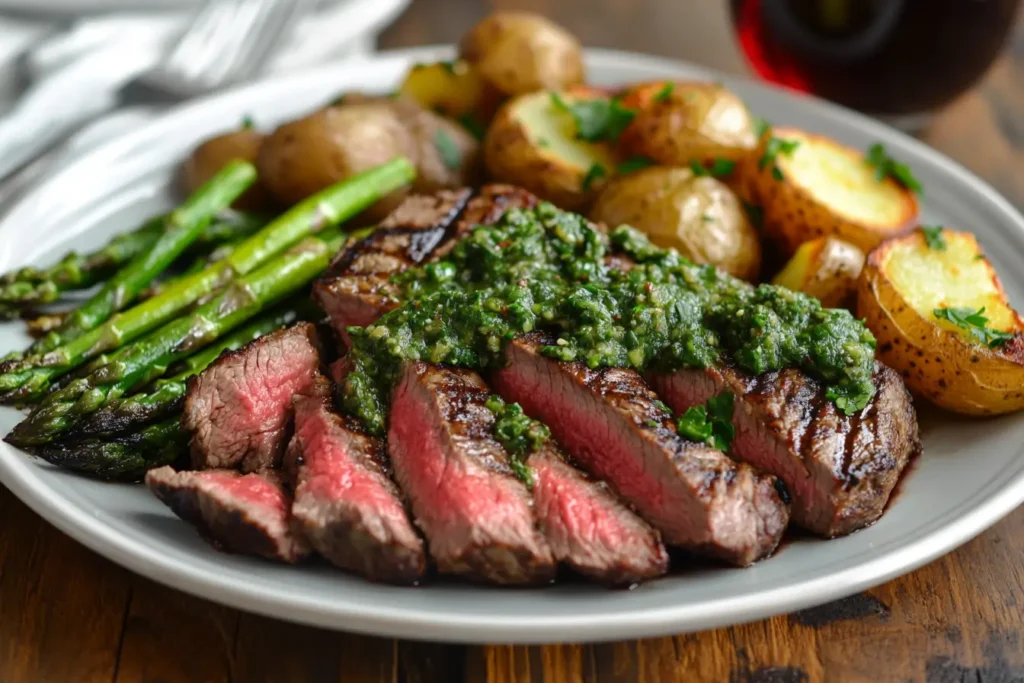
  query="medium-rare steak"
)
[
  {"x": 588, "y": 527},
  {"x": 476, "y": 515},
  {"x": 345, "y": 502},
  {"x": 839, "y": 469},
  {"x": 243, "y": 513},
  {"x": 612, "y": 424},
  {"x": 239, "y": 409}
]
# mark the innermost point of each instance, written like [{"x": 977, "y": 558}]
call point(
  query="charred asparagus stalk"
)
[
  {"x": 123, "y": 458},
  {"x": 164, "y": 400},
  {"x": 28, "y": 379},
  {"x": 149, "y": 358}
]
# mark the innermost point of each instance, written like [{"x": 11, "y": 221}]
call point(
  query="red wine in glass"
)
[{"x": 899, "y": 59}]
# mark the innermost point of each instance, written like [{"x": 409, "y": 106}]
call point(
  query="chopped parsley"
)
[
  {"x": 665, "y": 92},
  {"x": 634, "y": 164},
  {"x": 933, "y": 237},
  {"x": 247, "y": 122},
  {"x": 774, "y": 147},
  {"x": 448, "y": 150},
  {"x": 594, "y": 173},
  {"x": 976, "y": 323},
  {"x": 473, "y": 125},
  {"x": 597, "y": 119},
  {"x": 710, "y": 423},
  {"x": 719, "y": 168},
  {"x": 761, "y": 127},
  {"x": 449, "y": 66},
  {"x": 755, "y": 214},
  {"x": 885, "y": 165}
]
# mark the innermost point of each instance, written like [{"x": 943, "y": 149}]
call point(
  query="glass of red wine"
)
[{"x": 896, "y": 59}]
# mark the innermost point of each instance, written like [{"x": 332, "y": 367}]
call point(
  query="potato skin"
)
[
  {"x": 936, "y": 361},
  {"x": 794, "y": 213},
  {"x": 522, "y": 52},
  {"x": 434, "y": 170},
  {"x": 699, "y": 216},
  {"x": 825, "y": 268},
  {"x": 212, "y": 155},
  {"x": 694, "y": 122},
  {"x": 531, "y": 144}
]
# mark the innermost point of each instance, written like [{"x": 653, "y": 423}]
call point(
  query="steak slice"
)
[
  {"x": 588, "y": 527},
  {"x": 612, "y": 424},
  {"x": 477, "y": 516},
  {"x": 356, "y": 290},
  {"x": 243, "y": 513},
  {"x": 239, "y": 409},
  {"x": 839, "y": 469},
  {"x": 345, "y": 502}
]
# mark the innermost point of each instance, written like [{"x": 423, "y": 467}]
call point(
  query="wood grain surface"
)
[{"x": 70, "y": 616}]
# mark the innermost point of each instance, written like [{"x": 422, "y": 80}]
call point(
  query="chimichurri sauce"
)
[{"x": 545, "y": 269}]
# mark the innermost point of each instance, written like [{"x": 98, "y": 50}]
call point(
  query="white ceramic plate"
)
[{"x": 971, "y": 473}]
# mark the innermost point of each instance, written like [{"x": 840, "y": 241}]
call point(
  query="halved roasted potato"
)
[
  {"x": 699, "y": 216},
  {"x": 522, "y": 52},
  {"x": 210, "y": 157},
  {"x": 532, "y": 142},
  {"x": 453, "y": 89},
  {"x": 941, "y": 318},
  {"x": 811, "y": 186},
  {"x": 826, "y": 268},
  {"x": 680, "y": 122}
]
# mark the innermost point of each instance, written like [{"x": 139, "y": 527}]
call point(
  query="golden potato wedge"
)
[
  {"x": 453, "y": 89},
  {"x": 680, "y": 122},
  {"x": 821, "y": 188},
  {"x": 210, "y": 157},
  {"x": 699, "y": 216},
  {"x": 532, "y": 143},
  {"x": 975, "y": 367},
  {"x": 826, "y": 268},
  {"x": 522, "y": 52}
]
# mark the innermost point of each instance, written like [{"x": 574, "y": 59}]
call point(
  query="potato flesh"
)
[
  {"x": 951, "y": 278},
  {"x": 841, "y": 179},
  {"x": 554, "y": 131}
]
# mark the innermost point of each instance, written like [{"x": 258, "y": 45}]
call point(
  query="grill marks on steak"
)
[
  {"x": 476, "y": 515},
  {"x": 611, "y": 423},
  {"x": 243, "y": 513},
  {"x": 239, "y": 409},
  {"x": 839, "y": 469},
  {"x": 588, "y": 527},
  {"x": 345, "y": 502}
]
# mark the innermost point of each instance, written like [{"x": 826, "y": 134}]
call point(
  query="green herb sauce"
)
[
  {"x": 544, "y": 269},
  {"x": 519, "y": 434}
]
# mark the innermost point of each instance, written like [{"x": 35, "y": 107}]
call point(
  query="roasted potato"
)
[
  {"x": 699, "y": 216},
  {"x": 826, "y": 268},
  {"x": 532, "y": 143},
  {"x": 811, "y": 186},
  {"x": 453, "y": 89},
  {"x": 521, "y": 52},
  {"x": 942, "y": 319},
  {"x": 446, "y": 154},
  {"x": 210, "y": 157},
  {"x": 679, "y": 122}
]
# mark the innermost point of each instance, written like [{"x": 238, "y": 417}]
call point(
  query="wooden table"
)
[{"x": 70, "y": 616}]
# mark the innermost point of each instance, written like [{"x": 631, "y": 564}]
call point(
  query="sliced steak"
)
[
  {"x": 345, "y": 502},
  {"x": 588, "y": 527},
  {"x": 239, "y": 409},
  {"x": 612, "y": 424},
  {"x": 243, "y": 513},
  {"x": 477, "y": 516},
  {"x": 839, "y": 469}
]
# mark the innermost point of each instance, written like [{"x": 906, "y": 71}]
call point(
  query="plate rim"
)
[{"x": 998, "y": 497}]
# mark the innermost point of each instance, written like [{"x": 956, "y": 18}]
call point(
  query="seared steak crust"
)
[
  {"x": 839, "y": 469},
  {"x": 243, "y": 513},
  {"x": 588, "y": 527},
  {"x": 612, "y": 424},
  {"x": 345, "y": 502},
  {"x": 476, "y": 515},
  {"x": 239, "y": 409}
]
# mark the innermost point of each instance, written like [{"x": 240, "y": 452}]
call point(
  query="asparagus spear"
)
[
  {"x": 28, "y": 379},
  {"x": 149, "y": 358},
  {"x": 124, "y": 458},
  {"x": 182, "y": 227},
  {"x": 166, "y": 395}
]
